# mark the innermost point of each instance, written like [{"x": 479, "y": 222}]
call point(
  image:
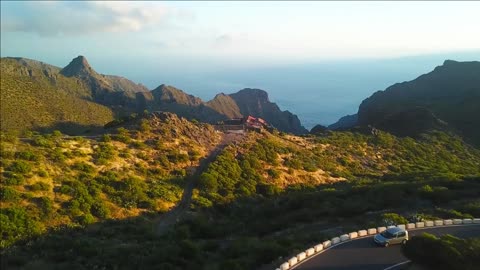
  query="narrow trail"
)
[{"x": 164, "y": 222}]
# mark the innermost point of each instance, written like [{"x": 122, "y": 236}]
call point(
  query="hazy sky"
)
[{"x": 158, "y": 42}]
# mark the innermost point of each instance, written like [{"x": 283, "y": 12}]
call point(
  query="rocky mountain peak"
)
[
  {"x": 169, "y": 94},
  {"x": 449, "y": 62},
  {"x": 79, "y": 67},
  {"x": 252, "y": 93}
]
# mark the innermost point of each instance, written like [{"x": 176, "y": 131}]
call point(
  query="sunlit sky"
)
[
  {"x": 156, "y": 42},
  {"x": 237, "y": 31}
]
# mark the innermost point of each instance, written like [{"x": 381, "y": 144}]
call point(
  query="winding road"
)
[{"x": 363, "y": 254}]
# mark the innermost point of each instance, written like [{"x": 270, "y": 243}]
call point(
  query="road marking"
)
[{"x": 398, "y": 264}]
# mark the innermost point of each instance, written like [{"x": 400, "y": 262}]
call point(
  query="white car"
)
[{"x": 391, "y": 236}]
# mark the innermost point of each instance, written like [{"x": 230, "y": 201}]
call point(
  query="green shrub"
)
[
  {"x": 208, "y": 183},
  {"x": 106, "y": 138},
  {"x": 42, "y": 142},
  {"x": 8, "y": 194},
  {"x": 123, "y": 135},
  {"x": 6, "y": 154},
  {"x": 58, "y": 155},
  {"x": 12, "y": 179},
  {"x": 179, "y": 173},
  {"x": 267, "y": 189},
  {"x": 124, "y": 154},
  {"x": 85, "y": 219},
  {"x": 144, "y": 126},
  {"x": 273, "y": 173},
  {"x": 27, "y": 155},
  {"x": 293, "y": 163},
  {"x": 142, "y": 156},
  {"x": 202, "y": 202},
  {"x": 100, "y": 210},
  {"x": 129, "y": 192},
  {"x": 46, "y": 205},
  {"x": 39, "y": 186},
  {"x": 309, "y": 167},
  {"x": 84, "y": 167},
  {"x": 42, "y": 173},
  {"x": 446, "y": 252},
  {"x": 393, "y": 219},
  {"x": 175, "y": 156},
  {"x": 16, "y": 224},
  {"x": 103, "y": 152},
  {"x": 194, "y": 155},
  {"x": 20, "y": 166},
  {"x": 138, "y": 145}
]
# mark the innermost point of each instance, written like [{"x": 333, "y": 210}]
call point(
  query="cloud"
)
[
  {"x": 223, "y": 40},
  {"x": 73, "y": 18}
]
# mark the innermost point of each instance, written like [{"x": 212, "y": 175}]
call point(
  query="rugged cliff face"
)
[{"x": 450, "y": 93}]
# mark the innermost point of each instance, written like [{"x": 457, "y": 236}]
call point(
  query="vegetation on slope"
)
[
  {"x": 34, "y": 96},
  {"x": 444, "y": 253},
  {"x": 259, "y": 200},
  {"x": 50, "y": 181}
]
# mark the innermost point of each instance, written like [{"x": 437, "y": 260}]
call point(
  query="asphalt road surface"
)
[{"x": 363, "y": 254}]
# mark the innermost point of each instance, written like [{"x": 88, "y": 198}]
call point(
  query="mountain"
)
[
  {"x": 345, "y": 122},
  {"x": 255, "y": 102},
  {"x": 120, "y": 93},
  {"x": 170, "y": 99},
  {"x": 412, "y": 121},
  {"x": 105, "y": 96},
  {"x": 225, "y": 105},
  {"x": 318, "y": 129},
  {"x": 113, "y": 91},
  {"x": 36, "y": 96},
  {"x": 245, "y": 102},
  {"x": 450, "y": 93}
]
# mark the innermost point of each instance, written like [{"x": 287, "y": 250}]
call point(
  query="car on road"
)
[{"x": 391, "y": 236}]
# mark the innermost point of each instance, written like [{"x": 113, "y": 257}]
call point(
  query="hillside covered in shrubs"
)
[{"x": 94, "y": 202}]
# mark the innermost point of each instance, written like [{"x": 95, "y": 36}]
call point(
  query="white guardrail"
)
[{"x": 322, "y": 247}]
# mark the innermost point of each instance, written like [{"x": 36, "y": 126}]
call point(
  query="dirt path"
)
[{"x": 164, "y": 222}]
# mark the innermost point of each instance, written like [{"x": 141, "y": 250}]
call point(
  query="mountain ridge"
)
[
  {"x": 123, "y": 97},
  {"x": 451, "y": 92}
]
